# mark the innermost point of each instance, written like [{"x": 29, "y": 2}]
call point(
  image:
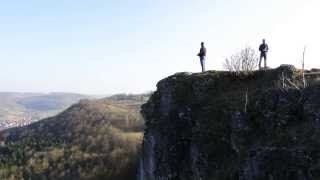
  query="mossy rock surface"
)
[{"x": 224, "y": 126}]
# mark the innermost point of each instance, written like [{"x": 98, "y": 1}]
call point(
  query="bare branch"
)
[{"x": 246, "y": 60}]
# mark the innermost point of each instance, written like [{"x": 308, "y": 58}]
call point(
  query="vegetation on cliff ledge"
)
[{"x": 226, "y": 126}]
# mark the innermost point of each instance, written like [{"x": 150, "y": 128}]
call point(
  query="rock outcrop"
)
[{"x": 224, "y": 126}]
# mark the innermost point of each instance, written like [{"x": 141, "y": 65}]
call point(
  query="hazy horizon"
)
[
  {"x": 52, "y": 93},
  {"x": 109, "y": 47}
]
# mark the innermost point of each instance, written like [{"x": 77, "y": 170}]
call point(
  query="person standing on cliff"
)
[
  {"x": 263, "y": 53},
  {"x": 202, "y": 55}
]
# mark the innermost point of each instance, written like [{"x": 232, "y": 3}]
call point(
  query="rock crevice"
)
[{"x": 226, "y": 126}]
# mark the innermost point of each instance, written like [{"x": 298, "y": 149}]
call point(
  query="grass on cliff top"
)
[{"x": 229, "y": 84}]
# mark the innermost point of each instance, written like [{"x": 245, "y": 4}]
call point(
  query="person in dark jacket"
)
[
  {"x": 202, "y": 55},
  {"x": 263, "y": 53}
]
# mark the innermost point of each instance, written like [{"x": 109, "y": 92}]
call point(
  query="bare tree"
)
[
  {"x": 246, "y": 60},
  {"x": 302, "y": 61}
]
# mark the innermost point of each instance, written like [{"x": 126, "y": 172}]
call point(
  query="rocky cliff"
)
[{"x": 224, "y": 126}]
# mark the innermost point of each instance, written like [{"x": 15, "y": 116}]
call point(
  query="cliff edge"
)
[{"x": 226, "y": 126}]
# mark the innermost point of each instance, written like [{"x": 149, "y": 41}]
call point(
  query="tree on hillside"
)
[{"x": 246, "y": 60}]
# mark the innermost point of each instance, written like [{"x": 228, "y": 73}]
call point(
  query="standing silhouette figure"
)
[
  {"x": 263, "y": 53},
  {"x": 202, "y": 55}
]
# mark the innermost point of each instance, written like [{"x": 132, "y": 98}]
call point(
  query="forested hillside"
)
[{"x": 96, "y": 139}]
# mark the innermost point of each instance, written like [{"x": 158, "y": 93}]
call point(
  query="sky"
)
[{"x": 127, "y": 46}]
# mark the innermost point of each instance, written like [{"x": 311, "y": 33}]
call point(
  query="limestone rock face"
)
[{"x": 225, "y": 126}]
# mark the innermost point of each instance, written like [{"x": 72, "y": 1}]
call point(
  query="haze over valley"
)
[{"x": 20, "y": 109}]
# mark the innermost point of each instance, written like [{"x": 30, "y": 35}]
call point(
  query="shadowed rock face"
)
[{"x": 223, "y": 126}]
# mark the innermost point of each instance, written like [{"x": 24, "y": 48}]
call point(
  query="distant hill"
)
[
  {"x": 53, "y": 101},
  {"x": 19, "y": 109},
  {"x": 93, "y": 139}
]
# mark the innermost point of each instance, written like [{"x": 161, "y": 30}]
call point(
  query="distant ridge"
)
[{"x": 19, "y": 109}]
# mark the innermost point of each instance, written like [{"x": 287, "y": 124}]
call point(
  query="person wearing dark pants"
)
[
  {"x": 263, "y": 53},
  {"x": 202, "y": 55}
]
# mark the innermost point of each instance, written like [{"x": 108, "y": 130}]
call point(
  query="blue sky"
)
[{"x": 113, "y": 46}]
